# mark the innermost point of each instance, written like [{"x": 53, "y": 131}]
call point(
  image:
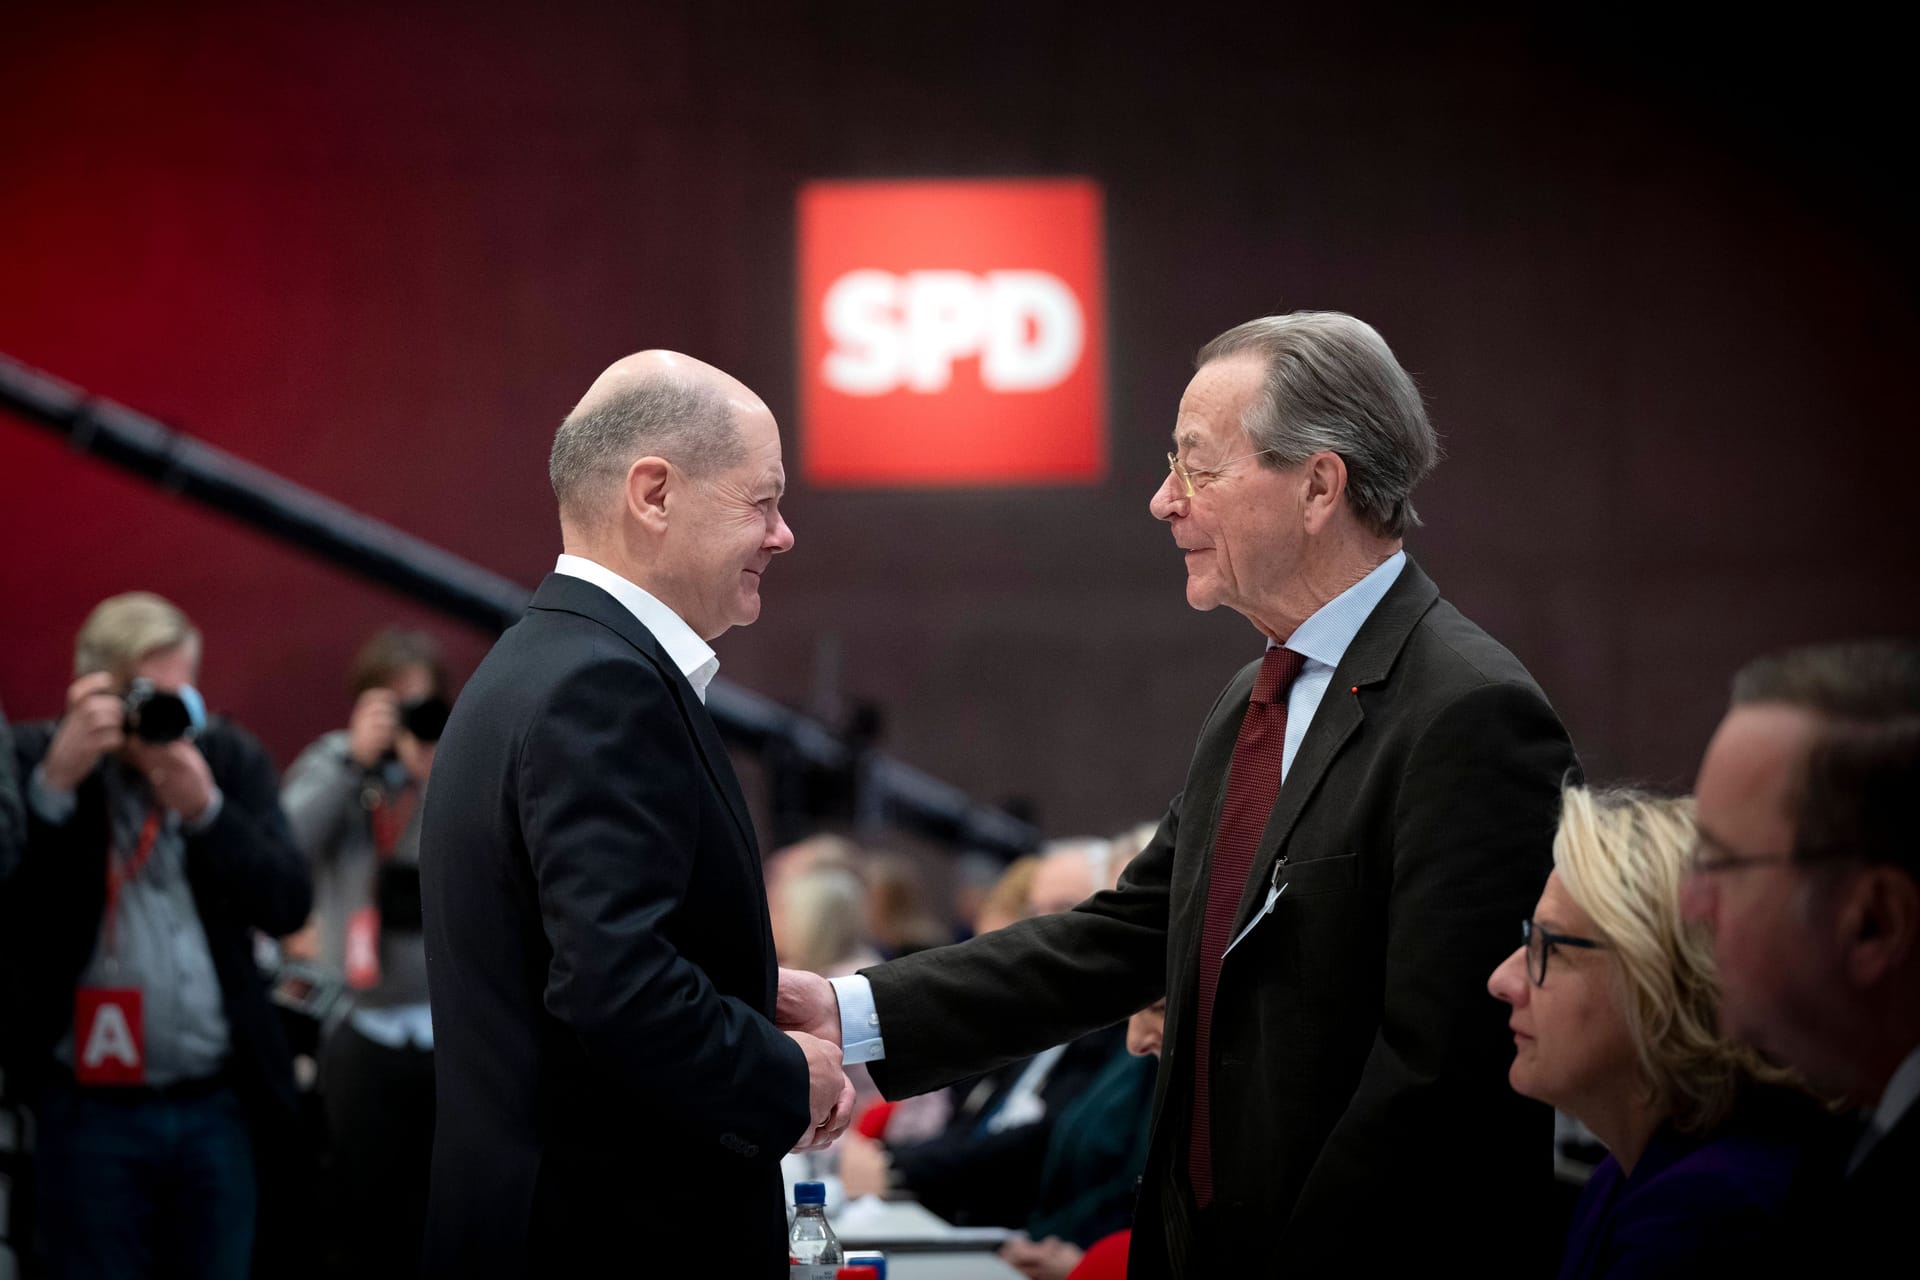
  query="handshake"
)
[{"x": 809, "y": 1012}]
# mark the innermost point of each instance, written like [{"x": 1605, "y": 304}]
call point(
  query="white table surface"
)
[{"x": 873, "y": 1220}]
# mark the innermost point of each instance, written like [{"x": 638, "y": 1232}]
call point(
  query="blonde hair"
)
[
  {"x": 1622, "y": 855},
  {"x": 1007, "y": 899},
  {"x": 124, "y": 629},
  {"x": 824, "y": 911}
]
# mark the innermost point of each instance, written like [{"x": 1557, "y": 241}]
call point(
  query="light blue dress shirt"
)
[{"x": 1322, "y": 640}]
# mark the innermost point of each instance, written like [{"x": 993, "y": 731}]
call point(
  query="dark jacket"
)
[
  {"x": 1695, "y": 1205},
  {"x": 1096, "y": 1155},
  {"x": 972, "y": 1178},
  {"x": 245, "y": 874},
  {"x": 1353, "y": 1041},
  {"x": 601, "y": 967}
]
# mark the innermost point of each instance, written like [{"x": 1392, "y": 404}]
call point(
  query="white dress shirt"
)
[
  {"x": 694, "y": 657},
  {"x": 1322, "y": 640}
]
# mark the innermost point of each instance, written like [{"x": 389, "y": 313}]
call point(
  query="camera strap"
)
[
  {"x": 390, "y": 815},
  {"x": 122, "y": 871},
  {"x": 109, "y": 1022}
]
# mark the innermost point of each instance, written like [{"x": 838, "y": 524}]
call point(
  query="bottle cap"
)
[{"x": 809, "y": 1193}]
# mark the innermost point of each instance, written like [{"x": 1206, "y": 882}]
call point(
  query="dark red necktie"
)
[{"x": 1253, "y": 784}]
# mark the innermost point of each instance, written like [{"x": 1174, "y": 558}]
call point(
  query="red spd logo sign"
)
[{"x": 952, "y": 333}]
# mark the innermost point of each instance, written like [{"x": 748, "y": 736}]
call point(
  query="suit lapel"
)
[
  {"x": 1367, "y": 662},
  {"x": 568, "y": 594}
]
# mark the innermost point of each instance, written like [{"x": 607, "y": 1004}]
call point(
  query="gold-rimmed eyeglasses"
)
[{"x": 1185, "y": 474}]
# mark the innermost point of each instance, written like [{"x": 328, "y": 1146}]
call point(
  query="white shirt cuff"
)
[{"x": 859, "y": 1021}]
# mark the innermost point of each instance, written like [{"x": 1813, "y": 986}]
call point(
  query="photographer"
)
[
  {"x": 138, "y": 1023},
  {"x": 353, "y": 796}
]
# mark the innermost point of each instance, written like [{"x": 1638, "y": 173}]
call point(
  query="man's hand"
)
[
  {"x": 1049, "y": 1259},
  {"x": 829, "y": 1092},
  {"x": 177, "y": 774},
  {"x": 806, "y": 1003},
  {"x": 372, "y": 726},
  {"x": 92, "y": 726}
]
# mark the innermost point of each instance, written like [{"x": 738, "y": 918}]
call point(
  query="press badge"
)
[{"x": 109, "y": 1036}]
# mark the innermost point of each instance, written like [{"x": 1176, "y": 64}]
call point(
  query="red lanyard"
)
[
  {"x": 390, "y": 815},
  {"x": 123, "y": 871}
]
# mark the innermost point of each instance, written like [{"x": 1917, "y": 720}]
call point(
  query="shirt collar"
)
[
  {"x": 694, "y": 656},
  {"x": 1900, "y": 1094},
  {"x": 1323, "y": 638}
]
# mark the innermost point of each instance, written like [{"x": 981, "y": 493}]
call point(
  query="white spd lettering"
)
[{"x": 890, "y": 331}]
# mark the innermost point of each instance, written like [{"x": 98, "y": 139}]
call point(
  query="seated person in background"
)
[
  {"x": 353, "y": 795},
  {"x": 984, "y": 1169},
  {"x": 1809, "y": 878},
  {"x": 1007, "y": 900},
  {"x": 1615, "y": 1014},
  {"x": 898, "y": 920},
  {"x": 1094, "y": 1161},
  {"x": 135, "y": 1020},
  {"x": 926, "y": 1115},
  {"x": 819, "y": 921}
]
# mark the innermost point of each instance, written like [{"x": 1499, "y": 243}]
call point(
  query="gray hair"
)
[
  {"x": 688, "y": 424},
  {"x": 1333, "y": 384},
  {"x": 124, "y": 629}
]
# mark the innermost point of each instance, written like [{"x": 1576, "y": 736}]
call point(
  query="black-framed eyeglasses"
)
[{"x": 1539, "y": 942}]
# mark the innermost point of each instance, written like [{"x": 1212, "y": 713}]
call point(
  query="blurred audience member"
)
[
  {"x": 354, "y": 795},
  {"x": 1808, "y": 873},
  {"x": 1007, "y": 901},
  {"x": 376, "y": 1076},
  {"x": 985, "y": 1168},
  {"x": 823, "y": 850},
  {"x": 974, "y": 875},
  {"x": 927, "y": 1115},
  {"x": 1094, "y": 1160},
  {"x": 1614, "y": 1015},
  {"x": 819, "y": 921},
  {"x": 898, "y": 919},
  {"x": 13, "y": 821},
  {"x": 1070, "y": 872},
  {"x": 136, "y": 1019}
]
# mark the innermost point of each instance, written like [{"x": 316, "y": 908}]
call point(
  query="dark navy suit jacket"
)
[{"x": 1695, "y": 1205}]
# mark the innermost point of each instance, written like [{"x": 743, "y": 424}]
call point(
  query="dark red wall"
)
[{"x": 1656, "y": 284}]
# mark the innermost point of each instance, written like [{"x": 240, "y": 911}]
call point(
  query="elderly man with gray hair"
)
[{"x": 1368, "y": 814}]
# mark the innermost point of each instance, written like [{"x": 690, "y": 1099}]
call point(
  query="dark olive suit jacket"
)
[
  {"x": 1361, "y": 1115},
  {"x": 609, "y": 1084}
]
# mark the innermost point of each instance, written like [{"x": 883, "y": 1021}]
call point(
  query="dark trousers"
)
[{"x": 151, "y": 1186}]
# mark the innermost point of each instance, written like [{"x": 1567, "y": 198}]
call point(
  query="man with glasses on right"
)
[{"x": 1808, "y": 874}]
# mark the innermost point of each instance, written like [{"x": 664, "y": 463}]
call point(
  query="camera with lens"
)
[
  {"x": 154, "y": 715},
  {"x": 425, "y": 718}
]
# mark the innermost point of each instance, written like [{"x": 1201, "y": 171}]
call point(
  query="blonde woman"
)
[{"x": 1614, "y": 1020}]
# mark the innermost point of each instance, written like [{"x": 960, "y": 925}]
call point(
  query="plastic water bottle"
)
[{"x": 812, "y": 1251}]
